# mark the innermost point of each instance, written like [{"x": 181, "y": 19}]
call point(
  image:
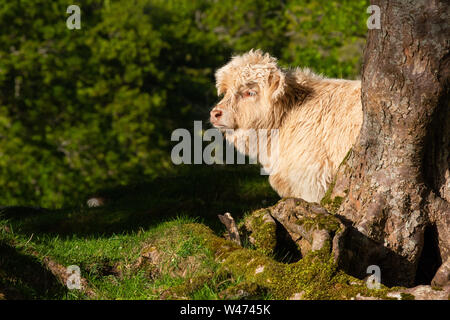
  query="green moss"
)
[
  {"x": 263, "y": 232},
  {"x": 347, "y": 156},
  {"x": 234, "y": 272},
  {"x": 320, "y": 221},
  {"x": 311, "y": 275},
  {"x": 436, "y": 288},
  {"x": 333, "y": 204},
  {"x": 316, "y": 274},
  {"x": 243, "y": 290},
  {"x": 189, "y": 286},
  {"x": 407, "y": 296},
  {"x": 317, "y": 277},
  {"x": 327, "y": 197}
]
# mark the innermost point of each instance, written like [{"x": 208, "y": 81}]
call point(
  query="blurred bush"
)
[{"x": 94, "y": 108}]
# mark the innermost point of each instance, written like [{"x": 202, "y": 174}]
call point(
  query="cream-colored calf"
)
[{"x": 317, "y": 120}]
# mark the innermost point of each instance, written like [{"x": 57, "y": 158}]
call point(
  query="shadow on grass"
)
[
  {"x": 24, "y": 277},
  {"x": 197, "y": 192}
]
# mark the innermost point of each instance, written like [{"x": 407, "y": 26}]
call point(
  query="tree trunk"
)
[{"x": 398, "y": 188}]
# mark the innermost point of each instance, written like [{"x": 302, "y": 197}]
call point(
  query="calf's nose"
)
[{"x": 215, "y": 114}]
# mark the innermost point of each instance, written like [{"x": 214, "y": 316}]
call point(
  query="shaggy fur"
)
[{"x": 318, "y": 120}]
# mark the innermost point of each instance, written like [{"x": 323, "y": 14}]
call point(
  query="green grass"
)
[
  {"x": 107, "y": 242},
  {"x": 163, "y": 240}
]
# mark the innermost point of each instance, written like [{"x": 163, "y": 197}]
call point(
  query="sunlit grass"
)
[{"x": 106, "y": 242}]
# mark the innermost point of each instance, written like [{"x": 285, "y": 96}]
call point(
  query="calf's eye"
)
[{"x": 249, "y": 93}]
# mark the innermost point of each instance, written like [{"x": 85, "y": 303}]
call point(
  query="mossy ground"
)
[
  {"x": 106, "y": 242},
  {"x": 162, "y": 240},
  {"x": 262, "y": 232}
]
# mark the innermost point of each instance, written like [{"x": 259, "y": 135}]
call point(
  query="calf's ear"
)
[
  {"x": 277, "y": 84},
  {"x": 220, "y": 81}
]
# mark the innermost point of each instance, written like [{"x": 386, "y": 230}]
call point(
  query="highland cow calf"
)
[{"x": 317, "y": 120}]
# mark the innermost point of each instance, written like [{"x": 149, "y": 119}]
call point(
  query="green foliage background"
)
[{"x": 86, "y": 109}]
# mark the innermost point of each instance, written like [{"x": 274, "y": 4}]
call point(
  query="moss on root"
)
[
  {"x": 407, "y": 296},
  {"x": 316, "y": 275},
  {"x": 208, "y": 266},
  {"x": 243, "y": 290},
  {"x": 330, "y": 202},
  {"x": 332, "y": 205},
  {"x": 261, "y": 231},
  {"x": 320, "y": 221}
]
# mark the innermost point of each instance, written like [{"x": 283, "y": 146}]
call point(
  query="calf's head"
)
[{"x": 251, "y": 87}]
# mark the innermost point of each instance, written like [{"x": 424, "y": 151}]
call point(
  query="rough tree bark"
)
[{"x": 398, "y": 185}]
